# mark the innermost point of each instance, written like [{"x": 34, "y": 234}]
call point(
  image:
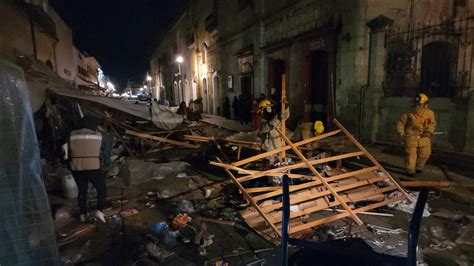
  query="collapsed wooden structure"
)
[{"x": 311, "y": 194}]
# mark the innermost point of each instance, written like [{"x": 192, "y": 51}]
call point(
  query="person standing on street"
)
[
  {"x": 84, "y": 153},
  {"x": 226, "y": 109},
  {"x": 235, "y": 107},
  {"x": 416, "y": 128}
]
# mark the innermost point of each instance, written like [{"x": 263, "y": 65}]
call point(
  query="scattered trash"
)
[
  {"x": 117, "y": 219},
  {"x": 70, "y": 189},
  {"x": 204, "y": 239},
  {"x": 157, "y": 253},
  {"x": 168, "y": 238},
  {"x": 437, "y": 231},
  {"x": 163, "y": 194},
  {"x": 180, "y": 221},
  {"x": 406, "y": 206},
  {"x": 442, "y": 245},
  {"x": 62, "y": 213},
  {"x": 159, "y": 227},
  {"x": 383, "y": 230},
  {"x": 129, "y": 212},
  {"x": 207, "y": 193},
  {"x": 185, "y": 206},
  {"x": 192, "y": 185},
  {"x": 114, "y": 171},
  {"x": 229, "y": 214},
  {"x": 181, "y": 175}
]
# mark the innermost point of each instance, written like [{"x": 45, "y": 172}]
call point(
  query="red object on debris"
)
[
  {"x": 180, "y": 221},
  {"x": 128, "y": 213}
]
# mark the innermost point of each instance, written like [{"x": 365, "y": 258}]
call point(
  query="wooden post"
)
[
  {"x": 318, "y": 176},
  {"x": 283, "y": 112}
]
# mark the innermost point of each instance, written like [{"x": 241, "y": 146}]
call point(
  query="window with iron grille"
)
[{"x": 435, "y": 59}]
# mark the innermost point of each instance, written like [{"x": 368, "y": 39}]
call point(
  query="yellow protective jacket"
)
[{"x": 412, "y": 125}]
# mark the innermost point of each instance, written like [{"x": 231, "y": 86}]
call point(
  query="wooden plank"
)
[
  {"x": 169, "y": 141},
  {"x": 366, "y": 213},
  {"x": 315, "y": 183},
  {"x": 345, "y": 214},
  {"x": 443, "y": 184},
  {"x": 300, "y": 199},
  {"x": 247, "y": 195},
  {"x": 310, "y": 210},
  {"x": 275, "y": 151},
  {"x": 299, "y": 165},
  {"x": 246, "y": 171},
  {"x": 283, "y": 112},
  {"x": 370, "y": 157},
  {"x": 316, "y": 173}
]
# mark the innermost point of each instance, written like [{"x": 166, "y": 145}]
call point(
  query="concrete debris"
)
[{"x": 408, "y": 207}]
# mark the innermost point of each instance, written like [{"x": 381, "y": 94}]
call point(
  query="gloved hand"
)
[{"x": 426, "y": 134}]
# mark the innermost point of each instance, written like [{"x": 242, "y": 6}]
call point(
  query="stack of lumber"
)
[{"x": 313, "y": 192}]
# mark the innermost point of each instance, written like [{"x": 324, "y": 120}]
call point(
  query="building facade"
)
[
  {"x": 27, "y": 30},
  {"x": 66, "y": 67},
  {"x": 361, "y": 62}
]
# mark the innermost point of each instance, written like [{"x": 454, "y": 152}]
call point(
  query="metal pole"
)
[{"x": 285, "y": 221}]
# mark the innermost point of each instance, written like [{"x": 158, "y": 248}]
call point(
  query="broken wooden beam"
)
[
  {"x": 169, "y": 141},
  {"x": 443, "y": 184}
]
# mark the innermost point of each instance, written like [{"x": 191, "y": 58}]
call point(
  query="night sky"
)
[{"x": 121, "y": 34}]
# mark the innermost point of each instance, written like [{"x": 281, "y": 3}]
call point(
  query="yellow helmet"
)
[
  {"x": 319, "y": 127},
  {"x": 421, "y": 98},
  {"x": 265, "y": 103}
]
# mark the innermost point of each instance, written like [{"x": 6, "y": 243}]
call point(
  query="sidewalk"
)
[
  {"x": 463, "y": 185},
  {"x": 221, "y": 121}
]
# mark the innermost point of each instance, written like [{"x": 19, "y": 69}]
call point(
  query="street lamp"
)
[{"x": 180, "y": 60}]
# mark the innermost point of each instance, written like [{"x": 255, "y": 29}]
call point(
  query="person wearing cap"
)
[{"x": 416, "y": 128}]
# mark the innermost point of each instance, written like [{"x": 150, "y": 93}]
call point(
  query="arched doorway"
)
[
  {"x": 175, "y": 93},
  {"x": 187, "y": 92},
  {"x": 319, "y": 85},
  {"x": 215, "y": 93},
  {"x": 437, "y": 69},
  {"x": 205, "y": 95},
  {"x": 180, "y": 92},
  {"x": 276, "y": 68}
]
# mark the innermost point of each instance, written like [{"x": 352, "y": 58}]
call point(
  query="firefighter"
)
[
  {"x": 84, "y": 154},
  {"x": 318, "y": 127},
  {"x": 271, "y": 139},
  {"x": 416, "y": 128}
]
